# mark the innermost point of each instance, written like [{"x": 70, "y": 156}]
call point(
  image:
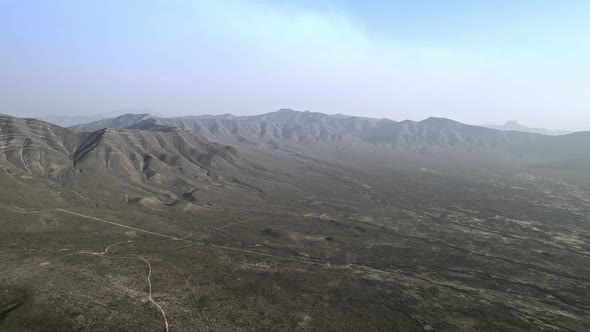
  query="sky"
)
[{"x": 471, "y": 61}]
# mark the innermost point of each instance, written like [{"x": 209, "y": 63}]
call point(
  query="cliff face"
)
[{"x": 37, "y": 147}]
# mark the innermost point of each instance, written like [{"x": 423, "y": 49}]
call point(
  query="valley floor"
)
[{"x": 350, "y": 250}]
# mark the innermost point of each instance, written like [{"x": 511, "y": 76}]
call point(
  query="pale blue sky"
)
[{"x": 473, "y": 61}]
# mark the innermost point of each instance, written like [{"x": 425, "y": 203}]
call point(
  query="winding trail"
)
[
  {"x": 113, "y": 245},
  {"x": 87, "y": 252},
  {"x": 149, "y": 278}
]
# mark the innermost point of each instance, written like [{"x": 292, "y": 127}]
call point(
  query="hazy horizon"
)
[
  {"x": 471, "y": 62},
  {"x": 116, "y": 113}
]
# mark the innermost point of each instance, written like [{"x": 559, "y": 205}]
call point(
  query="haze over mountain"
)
[
  {"x": 515, "y": 126},
  {"x": 71, "y": 120},
  {"x": 295, "y": 130},
  {"x": 469, "y": 58}
]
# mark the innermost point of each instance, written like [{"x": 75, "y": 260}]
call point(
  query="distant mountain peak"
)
[
  {"x": 514, "y": 125},
  {"x": 143, "y": 116},
  {"x": 440, "y": 121},
  {"x": 72, "y": 120}
]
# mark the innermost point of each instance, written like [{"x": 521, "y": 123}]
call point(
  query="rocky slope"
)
[
  {"x": 164, "y": 164},
  {"x": 37, "y": 147}
]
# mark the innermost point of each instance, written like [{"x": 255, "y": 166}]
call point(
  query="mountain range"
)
[
  {"x": 166, "y": 158},
  {"x": 297, "y": 130}
]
